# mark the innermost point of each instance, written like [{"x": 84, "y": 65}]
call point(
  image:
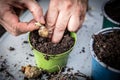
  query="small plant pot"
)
[
  {"x": 111, "y": 14},
  {"x": 100, "y": 70},
  {"x": 52, "y": 63}
]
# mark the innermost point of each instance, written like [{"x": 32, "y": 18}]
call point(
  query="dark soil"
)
[
  {"x": 2, "y": 30},
  {"x": 112, "y": 9},
  {"x": 11, "y": 48},
  {"x": 64, "y": 74},
  {"x": 107, "y": 48},
  {"x": 25, "y": 42},
  {"x": 4, "y": 73},
  {"x": 46, "y": 46}
]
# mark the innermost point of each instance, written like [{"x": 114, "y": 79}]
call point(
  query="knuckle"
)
[
  {"x": 40, "y": 9},
  {"x": 82, "y": 9},
  {"x": 14, "y": 34},
  {"x": 60, "y": 27},
  {"x": 54, "y": 3},
  {"x": 50, "y": 21},
  {"x": 15, "y": 30},
  {"x": 78, "y": 10},
  {"x": 68, "y": 4},
  {"x": 37, "y": 10}
]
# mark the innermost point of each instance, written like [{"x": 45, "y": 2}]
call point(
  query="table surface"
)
[{"x": 79, "y": 58}]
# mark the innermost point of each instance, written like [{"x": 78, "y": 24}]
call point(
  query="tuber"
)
[
  {"x": 31, "y": 71},
  {"x": 43, "y": 31}
]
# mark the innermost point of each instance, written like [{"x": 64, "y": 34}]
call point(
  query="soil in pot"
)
[
  {"x": 45, "y": 45},
  {"x": 107, "y": 48},
  {"x": 112, "y": 9}
]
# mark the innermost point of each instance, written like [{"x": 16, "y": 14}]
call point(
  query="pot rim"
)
[
  {"x": 95, "y": 56},
  {"x": 105, "y": 14}
]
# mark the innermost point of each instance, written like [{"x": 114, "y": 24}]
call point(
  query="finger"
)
[
  {"x": 26, "y": 27},
  {"x": 36, "y": 10},
  {"x": 48, "y": 27},
  {"x": 52, "y": 15},
  {"x": 74, "y": 23},
  {"x": 17, "y": 4},
  {"x": 16, "y": 27},
  {"x": 9, "y": 19},
  {"x": 60, "y": 26}
]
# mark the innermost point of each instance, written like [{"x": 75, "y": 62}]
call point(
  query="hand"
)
[
  {"x": 9, "y": 11},
  {"x": 64, "y": 14}
]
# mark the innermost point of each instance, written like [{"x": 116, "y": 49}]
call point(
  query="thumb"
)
[{"x": 36, "y": 10}]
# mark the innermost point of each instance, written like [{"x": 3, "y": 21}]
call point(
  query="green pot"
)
[
  {"x": 55, "y": 62},
  {"x": 108, "y": 21}
]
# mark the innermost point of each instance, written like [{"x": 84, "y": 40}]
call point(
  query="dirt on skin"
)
[
  {"x": 107, "y": 48},
  {"x": 46, "y": 46}
]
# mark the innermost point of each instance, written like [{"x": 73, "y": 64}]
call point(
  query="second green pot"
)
[{"x": 107, "y": 20}]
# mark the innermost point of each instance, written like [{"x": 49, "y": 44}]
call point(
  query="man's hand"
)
[
  {"x": 64, "y": 14},
  {"x": 9, "y": 11}
]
